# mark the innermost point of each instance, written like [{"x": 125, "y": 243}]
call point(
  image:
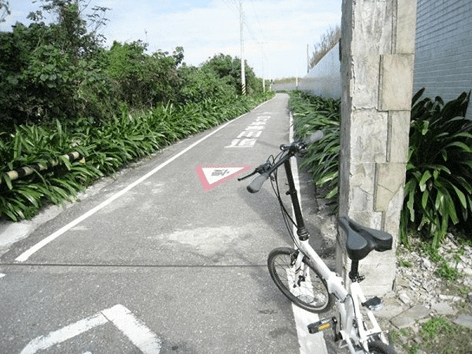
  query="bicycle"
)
[{"x": 306, "y": 280}]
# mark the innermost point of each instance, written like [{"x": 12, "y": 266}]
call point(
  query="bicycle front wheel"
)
[{"x": 304, "y": 287}]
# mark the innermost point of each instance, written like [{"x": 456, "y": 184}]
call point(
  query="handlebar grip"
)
[
  {"x": 257, "y": 183},
  {"x": 314, "y": 137}
]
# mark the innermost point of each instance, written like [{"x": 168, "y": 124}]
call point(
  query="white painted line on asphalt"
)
[
  {"x": 136, "y": 331},
  {"x": 63, "y": 334},
  {"x": 25, "y": 255},
  {"x": 309, "y": 343}
]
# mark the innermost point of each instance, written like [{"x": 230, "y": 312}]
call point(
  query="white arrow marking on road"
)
[
  {"x": 53, "y": 338},
  {"x": 136, "y": 331}
]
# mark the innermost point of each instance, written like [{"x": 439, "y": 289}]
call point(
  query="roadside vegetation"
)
[
  {"x": 445, "y": 272},
  {"x": 439, "y": 170},
  {"x": 312, "y": 113},
  {"x": 437, "y": 335},
  {"x": 437, "y": 201},
  {"x": 62, "y": 91}
]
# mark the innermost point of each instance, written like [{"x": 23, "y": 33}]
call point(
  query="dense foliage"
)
[
  {"x": 439, "y": 171},
  {"x": 312, "y": 113},
  {"x": 61, "y": 71},
  {"x": 62, "y": 91}
]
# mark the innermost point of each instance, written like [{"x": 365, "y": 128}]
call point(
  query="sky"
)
[{"x": 276, "y": 33}]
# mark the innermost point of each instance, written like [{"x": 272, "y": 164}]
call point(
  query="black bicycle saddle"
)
[{"x": 361, "y": 240}]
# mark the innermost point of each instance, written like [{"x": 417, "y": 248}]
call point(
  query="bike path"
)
[{"x": 185, "y": 259}]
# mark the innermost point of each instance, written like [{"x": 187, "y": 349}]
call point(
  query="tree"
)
[
  {"x": 229, "y": 69},
  {"x": 4, "y": 10},
  {"x": 142, "y": 80},
  {"x": 326, "y": 43},
  {"x": 50, "y": 71}
]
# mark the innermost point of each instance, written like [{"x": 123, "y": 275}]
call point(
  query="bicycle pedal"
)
[
  {"x": 373, "y": 304},
  {"x": 320, "y": 325}
]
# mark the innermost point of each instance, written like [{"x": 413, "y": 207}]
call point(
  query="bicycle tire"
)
[
  {"x": 313, "y": 293},
  {"x": 379, "y": 347}
]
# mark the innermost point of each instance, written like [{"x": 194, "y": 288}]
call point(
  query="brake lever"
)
[
  {"x": 260, "y": 169},
  {"x": 247, "y": 176}
]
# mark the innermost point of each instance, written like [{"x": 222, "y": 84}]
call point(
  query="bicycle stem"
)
[
  {"x": 334, "y": 282},
  {"x": 302, "y": 232}
]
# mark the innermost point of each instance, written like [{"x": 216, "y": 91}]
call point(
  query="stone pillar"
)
[{"x": 377, "y": 59}]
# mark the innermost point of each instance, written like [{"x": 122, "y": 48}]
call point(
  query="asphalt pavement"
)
[{"x": 167, "y": 257}]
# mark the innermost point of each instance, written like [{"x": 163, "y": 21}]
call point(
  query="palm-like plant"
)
[
  {"x": 312, "y": 113},
  {"x": 439, "y": 168}
]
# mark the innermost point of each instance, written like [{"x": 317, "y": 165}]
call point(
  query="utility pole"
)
[
  {"x": 263, "y": 78},
  {"x": 241, "y": 27},
  {"x": 307, "y": 58}
]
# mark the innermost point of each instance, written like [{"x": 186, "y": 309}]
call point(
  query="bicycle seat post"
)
[
  {"x": 302, "y": 232},
  {"x": 354, "y": 273}
]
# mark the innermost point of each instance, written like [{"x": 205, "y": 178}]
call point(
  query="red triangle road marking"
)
[{"x": 211, "y": 176}]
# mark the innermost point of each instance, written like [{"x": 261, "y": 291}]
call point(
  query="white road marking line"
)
[
  {"x": 309, "y": 343},
  {"x": 63, "y": 334},
  {"x": 136, "y": 331},
  {"x": 25, "y": 255}
]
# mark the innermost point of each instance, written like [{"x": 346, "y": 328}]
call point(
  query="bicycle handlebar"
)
[
  {"x": 314, "y": 137},
  {"x": 257, "y": 183},
  {"x": 266, "y": 169}
]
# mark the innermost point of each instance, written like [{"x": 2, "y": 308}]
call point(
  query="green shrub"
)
[
  {"x": 439, "y": 170},
  {"x": 31, "y": 145},
  {"x": 61, "y": 91},
  {"x": 312, "y": 113},
  {"x": 105, "y": 149}
]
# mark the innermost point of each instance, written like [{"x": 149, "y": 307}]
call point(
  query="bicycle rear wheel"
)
[{"x": 305, "y": 289}]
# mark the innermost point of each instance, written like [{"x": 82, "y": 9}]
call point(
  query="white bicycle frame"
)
[{"x": 353, "y": 327}]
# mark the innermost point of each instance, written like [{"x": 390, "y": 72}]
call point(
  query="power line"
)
[
  {"x": 232, "y": 4},
  {"x": 257, "y": 19},
  {"x": 244, "y": 23}
]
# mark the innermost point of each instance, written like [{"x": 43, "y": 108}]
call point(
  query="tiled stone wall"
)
[{"x": 377, "y": 46}]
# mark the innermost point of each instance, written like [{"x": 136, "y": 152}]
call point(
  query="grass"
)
[
  {"x": 404, "y": 263},
  {"x": 436, "y": 336}
]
